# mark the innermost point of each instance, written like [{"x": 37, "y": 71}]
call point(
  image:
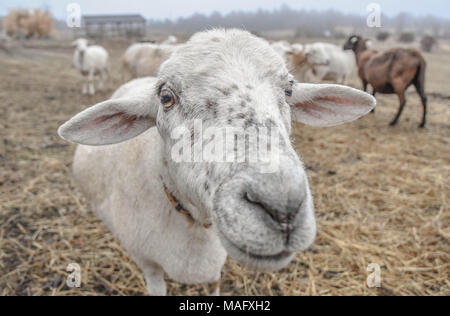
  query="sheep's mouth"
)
[{"x": 277, "y": 257}]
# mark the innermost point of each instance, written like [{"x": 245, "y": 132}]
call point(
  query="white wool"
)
[
  {"x": 329, "y": 62},
  {"x": 170, "y": 40},
  {"x": 144, "y": 59}
]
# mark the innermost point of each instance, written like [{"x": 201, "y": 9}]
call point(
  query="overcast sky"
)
[{"x": 161, "y": 9}]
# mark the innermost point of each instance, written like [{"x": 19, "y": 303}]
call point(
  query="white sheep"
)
[
  {"x": 144, "y": 59},
  {"x": 170, "y": 40},
  {"x": 175, "y": 211},
  {"x": 128, "y": 70},
  {"x": 282, "y": 48},
  {"x": 294, "y": 59},
  {"x": 91, "y": 61},
  {"x": 324, "y": 61}
]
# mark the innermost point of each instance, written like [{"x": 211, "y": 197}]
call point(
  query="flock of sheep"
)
[
  {"x": 310, "y": 63},
  {"x": 387, "y": 72},
  {"x": 184, "y": 219},
  {"x": 317, "y": 62}
]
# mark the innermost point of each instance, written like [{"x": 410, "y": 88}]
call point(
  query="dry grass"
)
[{"x": 381, "y": 194}]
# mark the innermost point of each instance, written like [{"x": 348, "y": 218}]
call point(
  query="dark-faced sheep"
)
[{"x": 389, "y": 72}]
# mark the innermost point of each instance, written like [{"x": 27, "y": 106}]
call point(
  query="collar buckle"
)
[{"x": 179, "y": 208}]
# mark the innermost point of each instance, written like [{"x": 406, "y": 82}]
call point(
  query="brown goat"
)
[{"x": 389, "y": 72}]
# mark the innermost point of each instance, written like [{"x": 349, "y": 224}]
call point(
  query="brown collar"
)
[{"x": 179, "y": 208}]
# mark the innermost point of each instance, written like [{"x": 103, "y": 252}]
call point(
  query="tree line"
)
[{"x": 308, "y": 22}]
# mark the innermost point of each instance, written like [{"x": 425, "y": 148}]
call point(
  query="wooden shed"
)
[{"x": 100, "y": 26}]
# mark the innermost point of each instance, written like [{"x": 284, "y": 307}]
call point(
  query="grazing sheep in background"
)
[
  {"x": 316, "y": 62},
  {"x": 427, "y": 43},
  {"x": 144, "y": 59},
  {"x": 170, "y": 40},
  {"x": 327, "y": 62},
  {"x": 298, "y": 64},
  {"x": 128, "y": 58},
  {"x": 282, "y": 48},
  {"x": 297, "y": 47},
  {"x": 294, "y": 59},
  {"x": 181, "y": 215},
  {"x": 90, "y": 61},
  {"x": 390, "y": 72},
  {"x": 128, "y": 70}
]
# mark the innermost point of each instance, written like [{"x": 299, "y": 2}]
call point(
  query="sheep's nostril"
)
[
  {"x": 287, "y": 227},
  {"x": 284, "y": 219},
  {"x": 274, "y": 215}
]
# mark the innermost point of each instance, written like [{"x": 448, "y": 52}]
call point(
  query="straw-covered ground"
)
[{"x": 382, "y": 196}]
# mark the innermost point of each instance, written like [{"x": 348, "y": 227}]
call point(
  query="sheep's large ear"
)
[
  {"x": 328, "y": 105},
  {"x": 112, "y": 121}
]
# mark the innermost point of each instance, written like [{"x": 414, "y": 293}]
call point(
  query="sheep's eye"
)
[
  {"x": 288, "y": 92},
  {"x": 167, "y": 98}
]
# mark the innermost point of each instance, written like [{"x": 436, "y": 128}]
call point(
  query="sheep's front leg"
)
[
  {"x": 108, "y": 73},
  {"x": 91, "y": 82},
  {"x": 321, "y": 72},
  {"x": 308, "y": 76},
  {"x": 101, "y": 81},
  {"x": 84, "y": 89},
  {"x": 154, "y": 277}
]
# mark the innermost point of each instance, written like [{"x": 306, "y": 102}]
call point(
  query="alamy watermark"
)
[
  {"x": 74, "y": 278},
  {"x": 374, "y": 17},
  {"x": 373, "y": 279},
  {"x": 253, "y": 145},
  {"x": 73, "y": 15}
]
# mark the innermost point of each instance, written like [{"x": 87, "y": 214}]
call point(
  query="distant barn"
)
[{"x": 99, "y": 26}]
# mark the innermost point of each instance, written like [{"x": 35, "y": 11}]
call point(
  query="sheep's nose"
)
[
  {"x": 282, "y": 215},
  {"x": 279, "y": 195}
]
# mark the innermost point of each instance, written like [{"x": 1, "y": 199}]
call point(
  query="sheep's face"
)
[
  {"x": 220, "y": 95},
  {"x": 222, "y": 105},
  {"x": 352, "y": 42},
  {"x": 80, "y": 44}
]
